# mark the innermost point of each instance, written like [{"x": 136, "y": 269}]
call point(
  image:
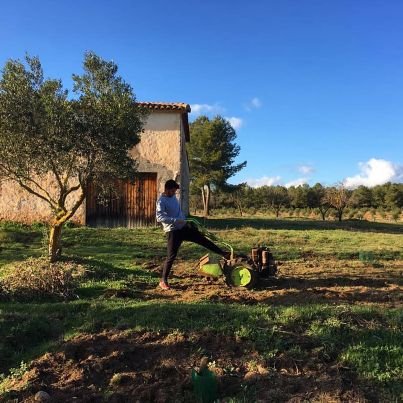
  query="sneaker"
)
[{"x": 164, "y": 285}]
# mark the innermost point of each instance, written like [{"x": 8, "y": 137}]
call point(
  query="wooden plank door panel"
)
[{"x": 131, "y": 205}]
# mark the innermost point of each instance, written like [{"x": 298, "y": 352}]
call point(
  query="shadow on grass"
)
[
  {"x": 117, "y": 244},
  {"x": 17, "y": 254},
  {"x": 98, "y": 269},
  {"x": 273, "y": 224},
  {"x": 340, "y": 281},
  {"x": 100, "y": 277},
  {"x": 101, "y": 270},
  {"x": 289, "y": 291},
  {"x": 17, "y": 243}
]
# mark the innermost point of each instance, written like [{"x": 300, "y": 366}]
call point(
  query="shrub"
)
[
  {"x": 351, "y": 214},
  {"x": 359, "y": 214},
  {"x": 383, "y": 213},
  {"x": 36, "y": 278},
  {"x": 396, "y": 215}
]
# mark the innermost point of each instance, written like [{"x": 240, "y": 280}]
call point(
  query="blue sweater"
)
[{"x": 168, "y": 212}]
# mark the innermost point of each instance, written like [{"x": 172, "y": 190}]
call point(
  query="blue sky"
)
[{"x": 314, "y": 88}]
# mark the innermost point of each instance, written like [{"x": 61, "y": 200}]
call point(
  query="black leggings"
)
[{"x": 175, "y": 239}]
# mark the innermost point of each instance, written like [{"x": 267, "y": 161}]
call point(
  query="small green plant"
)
[
  {"x": 366, "y": 256},
  {"x": 381, "y": 363},
  {"x": 396, "y": 215},
  {"x": 14, "y": 374},
  {"x": 19, "y": 371}
]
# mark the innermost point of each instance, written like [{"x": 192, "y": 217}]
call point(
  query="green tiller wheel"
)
[{"x": 242, "y": 276}]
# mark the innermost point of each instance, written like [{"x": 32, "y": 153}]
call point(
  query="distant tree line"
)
[
  {"x": 334, "y": 201},
  {"x": 212, "y": 153}
]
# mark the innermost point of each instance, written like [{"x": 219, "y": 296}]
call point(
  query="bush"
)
[
  {"x": 383, "y": 213},
  {"x": 359, "y": 215},
  {"x": 396, "y": 215},
  {"x": 36, "y": 278}
]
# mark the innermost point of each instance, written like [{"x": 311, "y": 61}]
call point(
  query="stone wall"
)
[
  {"x": 163, "y": 150},
  {"x": 17, "y": 204},
  {"x": 185, "y": 176}
]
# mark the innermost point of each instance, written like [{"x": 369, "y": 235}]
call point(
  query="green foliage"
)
[
  {"x": 45, "y": 133},
  {"x": 396, "y": 214},
  {"x": 383, "y": 363},
  {"x": 361, "y": 197},
  {"x": 325, "y": 202},
  {"x": 212, "y": 152},
  {"x": 42, "y": 130},
  {"x": 298, "y": 195},
  {"x": 108, "y": 122},
  {"x": 14, "y": 373}
]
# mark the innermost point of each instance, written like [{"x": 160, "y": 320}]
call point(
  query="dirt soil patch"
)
[
  {"x": 128, "y": 366},
  {"x": 299, "y": 282},
  {"x": 118, "y": 366}
]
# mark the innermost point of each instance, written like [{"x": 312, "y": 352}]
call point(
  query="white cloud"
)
[
  {"x": 305, "y": 169},
  {"x": 264, "y": 181},
  {"x": 236, "y": 123},
  {"x": 296, "y": 182},
  {"x": 212, "y": 111},
  {"x": 375, "y": 172},
  {"x": 254, "y": 103},
  {"x": 206, "y": 109}
]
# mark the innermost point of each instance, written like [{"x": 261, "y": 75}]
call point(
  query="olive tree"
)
[{"x": 75, "y": 140}]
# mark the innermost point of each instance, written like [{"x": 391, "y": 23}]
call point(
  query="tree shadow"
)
[
  {"x": 101, "y": 270},
  {"x": 287, "y": 291},
  {"x": 302, "y": 225}
]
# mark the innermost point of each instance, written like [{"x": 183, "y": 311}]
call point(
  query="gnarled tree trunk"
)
[
  {"x": 55, "y": 236},
  {"x": 55, "y": 233}
]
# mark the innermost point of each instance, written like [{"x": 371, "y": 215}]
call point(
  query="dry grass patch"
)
[{"x": 36, "y": 278}]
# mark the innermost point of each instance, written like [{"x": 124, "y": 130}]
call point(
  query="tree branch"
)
[
  {"x": 59, "y": 181},
  {"x": 20, "y": 180},
  {"x": 28, "y": 189},
  {"x": 72, "y": 211}
]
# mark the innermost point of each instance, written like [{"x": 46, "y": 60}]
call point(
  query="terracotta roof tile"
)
[{"x": 166, "y": 106}]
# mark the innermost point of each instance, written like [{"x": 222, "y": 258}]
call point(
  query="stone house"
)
[{"x": 161, "y": 155}]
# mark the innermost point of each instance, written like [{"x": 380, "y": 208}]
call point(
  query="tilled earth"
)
[{"x": 136, "y": 366}]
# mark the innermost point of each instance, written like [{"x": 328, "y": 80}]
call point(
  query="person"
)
[{"x": 170, "y": 215}]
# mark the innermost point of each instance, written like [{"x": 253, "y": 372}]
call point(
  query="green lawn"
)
[{"x": 365, "y": 340}]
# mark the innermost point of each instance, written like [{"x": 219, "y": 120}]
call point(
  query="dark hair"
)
[{"x": 171, "y": 184}]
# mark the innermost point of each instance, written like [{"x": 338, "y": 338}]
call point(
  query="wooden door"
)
[{"x": 130, "y": 205}]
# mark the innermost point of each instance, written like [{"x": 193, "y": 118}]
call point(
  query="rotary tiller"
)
[{"x": 238, "y": 270}]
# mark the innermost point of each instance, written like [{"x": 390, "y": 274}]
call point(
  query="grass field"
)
[{"x": 328, "y": 328}]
